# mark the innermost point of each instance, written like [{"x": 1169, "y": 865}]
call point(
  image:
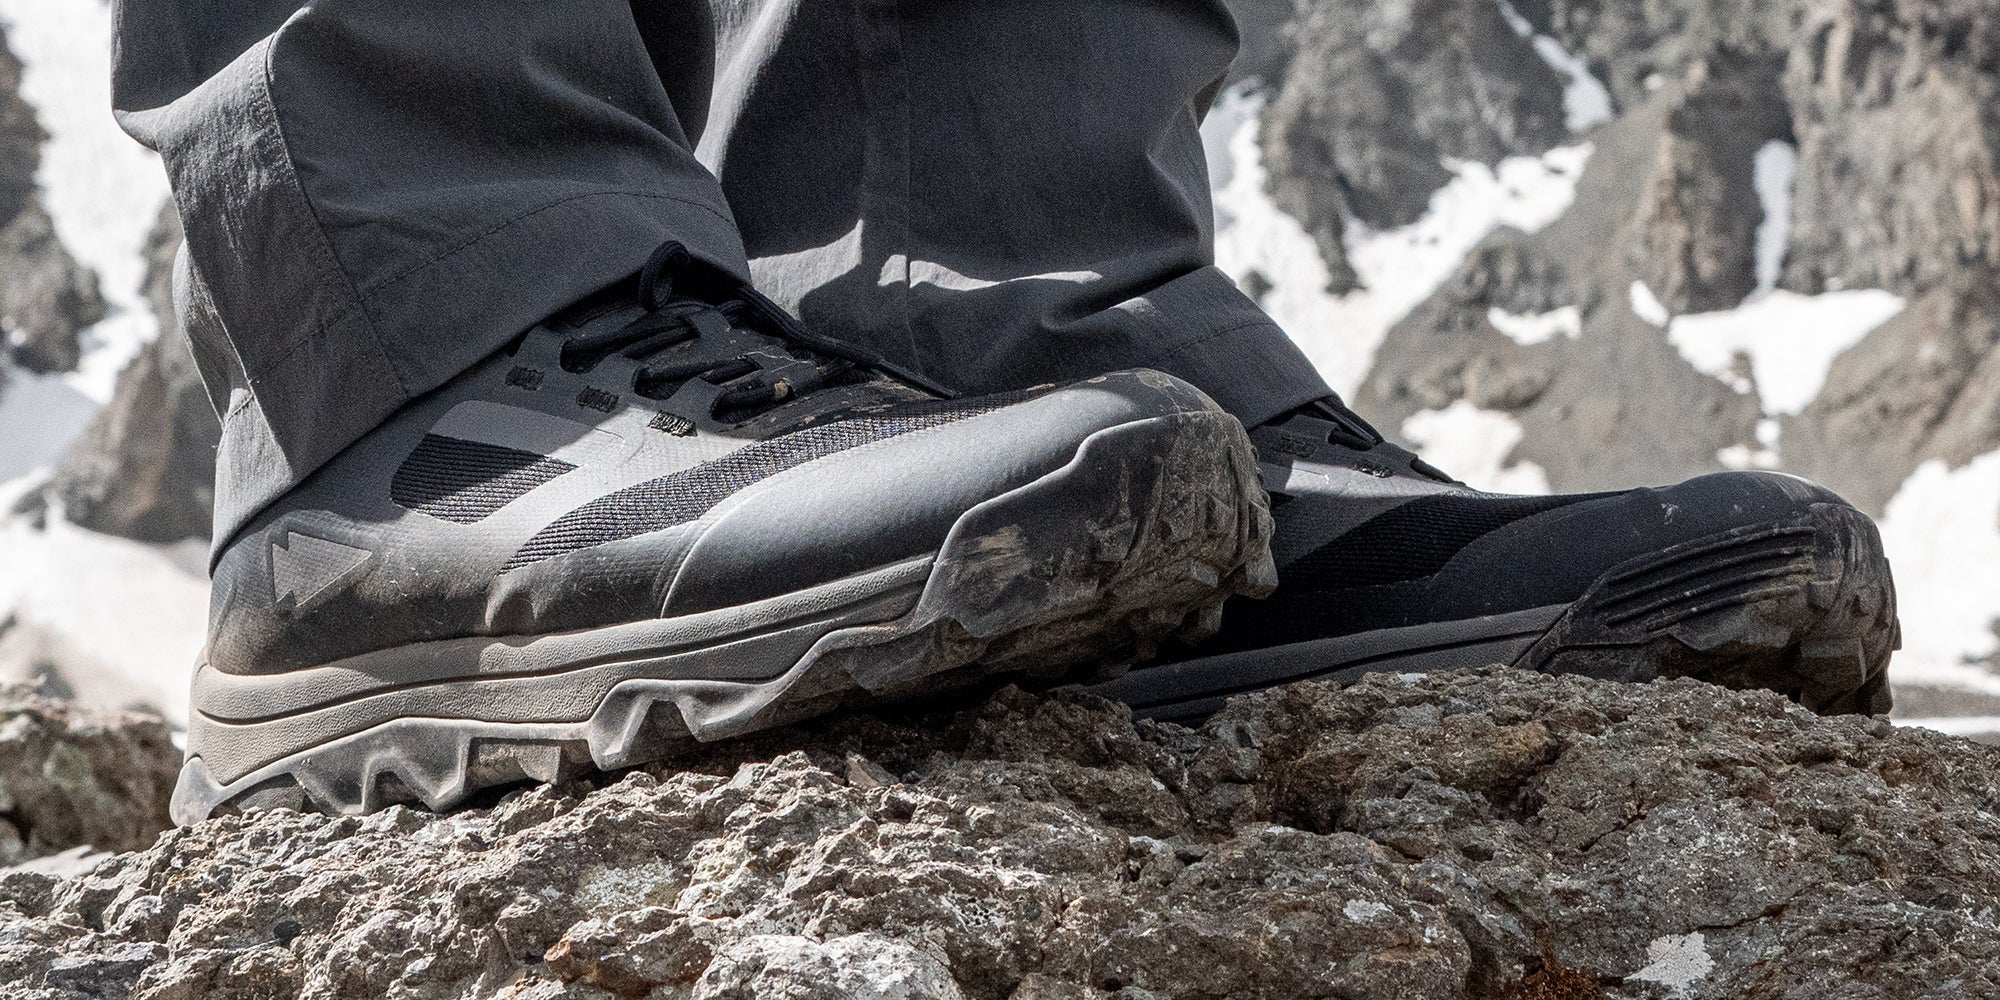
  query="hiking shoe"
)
[
  {"x": 1749, "y": 579},
  {"x": 671, "y": 515}
]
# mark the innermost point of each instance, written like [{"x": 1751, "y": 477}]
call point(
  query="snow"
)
[
  {"x": 1398, "y": 268},
  {"x": 39, "y": 416},
  {"x": 103, "y": 191},
  {"x": 1790, "y": 339},
  {"x": 1473, "y": 444},
  {"x": 1775, "y": 167},
  {"x": 1942, "y": 533},
  {"x": 1957, "y": 725},
  {"x": 1586, "y": 102},
  {"x": 1648, "y": 306},
  {"x": 1529, "y": 330},
  {"x": 123, "y": 620}
]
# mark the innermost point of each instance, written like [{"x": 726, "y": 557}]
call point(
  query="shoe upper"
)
[
  {"x": 1368, "y": 536},
  {"x": 647, "y": 453}
]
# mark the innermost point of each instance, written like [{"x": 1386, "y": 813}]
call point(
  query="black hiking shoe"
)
[
  {"x": 673, "y": 516},
  {"x": 1749, "y": 579}
]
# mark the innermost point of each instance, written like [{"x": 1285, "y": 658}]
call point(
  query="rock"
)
[
  {"x": 1897, "y": 143},
  {"x": 1377, "y": 95},
  {"x": 73, "y": 780},
  {"x": 145, "y": 466},
  {"x": 1482, "y": 834},
  {"x": 46, "y": 298},
  {"x": 1697, "y": 227},
  {"x": 1897, "y": 187},
  {"x": 1618, "y": 405}
]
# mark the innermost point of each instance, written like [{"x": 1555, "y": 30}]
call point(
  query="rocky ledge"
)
[
  {"x": 74, "y": 781},
  {"x": 1488, "y": 834}
]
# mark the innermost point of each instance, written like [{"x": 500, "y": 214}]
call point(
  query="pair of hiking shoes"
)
[{"x": 671, "y": 514}]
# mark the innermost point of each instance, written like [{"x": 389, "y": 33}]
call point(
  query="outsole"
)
[
  {"x": 1141, "y": 537},
  {"x": 1805, "y": 607}
]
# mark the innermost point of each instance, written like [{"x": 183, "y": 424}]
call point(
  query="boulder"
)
[
  {"x": 1484, "y": 834},
  {"x": 76, "y": 779}
]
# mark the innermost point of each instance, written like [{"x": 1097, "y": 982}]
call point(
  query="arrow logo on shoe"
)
[{"x": 304, "y": 567}]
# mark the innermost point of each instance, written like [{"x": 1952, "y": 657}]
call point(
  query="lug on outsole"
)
[
  {"x": 1807, "y": 609},
  {"x": 1062, "y": 577}
]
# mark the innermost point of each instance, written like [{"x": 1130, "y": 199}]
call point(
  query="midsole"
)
[
  {"x": 702, "y": 646},
  {"x": 1171, "y": 686}
]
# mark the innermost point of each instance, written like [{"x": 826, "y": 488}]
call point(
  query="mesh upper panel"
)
[
  {"x": 466, "y": 481},
  {"x": 686, "y": 495},
  {"x": 1414, "y": 540}
]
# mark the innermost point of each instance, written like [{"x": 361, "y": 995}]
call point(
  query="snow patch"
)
[
  {"x": 39, "y": 416},
  {"x": 1790, "y": 339},
  {"x": 1586, "y": 101},
  {"x": 1473, "y": 444},
  {"x": 1677, "y": 962},
  {"x": 1775, "y": 168},
  {"x": 1942, "y": 533},
  {"x": 123, "y": 621},
  {"x": 1529, "y": 330},
  {"x": 1648, "y": 306},
  {"x": 1398, "y": 268},
  {"x": 103, "y": 191},
  {"x": 1956, "y": 725}
]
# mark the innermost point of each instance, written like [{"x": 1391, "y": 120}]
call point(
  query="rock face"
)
[
  {"x": 1376, "y": 95},
  {"x": 145, "y": 467},
  {"x": 1478, "y": 835},
  {"x": 1888, "y": 107},
  {"x": 71, "y": 778},
  {"x": 46, "y": 298}
]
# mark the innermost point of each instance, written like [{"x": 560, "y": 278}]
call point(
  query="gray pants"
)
[{"x": 378, "y": 193}]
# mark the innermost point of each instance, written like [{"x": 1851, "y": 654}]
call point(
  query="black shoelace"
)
[{"x": 672, "y": 320}]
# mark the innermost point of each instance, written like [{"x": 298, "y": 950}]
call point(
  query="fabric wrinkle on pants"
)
[{"x": 377, "y": 195}]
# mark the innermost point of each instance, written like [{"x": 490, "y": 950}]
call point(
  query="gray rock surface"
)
[
  {"x": 1614, "y": 407},
  {"x": 46, "y": 298},
  {"x": 1891, "y": 106},
  {"x": 71, "y": 778},
  {"x": 1488, "y": 834},
  {"x": 1376, "y": 94}
]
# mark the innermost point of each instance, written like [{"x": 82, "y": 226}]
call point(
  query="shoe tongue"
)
[{"x": 1349, "y": 428}]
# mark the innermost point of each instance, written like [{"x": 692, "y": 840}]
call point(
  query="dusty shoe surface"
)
[
  {"x": 672, "y": 515},
  {"x": 1750, "y": 579}
]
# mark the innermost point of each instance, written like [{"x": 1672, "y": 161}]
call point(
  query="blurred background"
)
[{"x": 1554, "y": 244}]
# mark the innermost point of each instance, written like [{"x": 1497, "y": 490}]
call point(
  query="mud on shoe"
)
[
  {"x": 672, "y": 515},
  {"x": 1753, "y": 580}
]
